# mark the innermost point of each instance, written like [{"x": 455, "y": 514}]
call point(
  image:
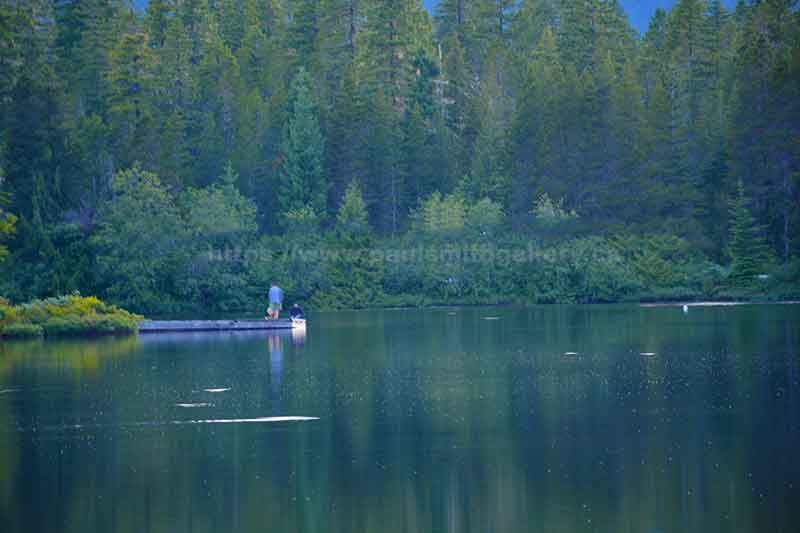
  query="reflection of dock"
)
[
  {"x": 223, "y": 336},
  {"x": 176, "y": 326}
]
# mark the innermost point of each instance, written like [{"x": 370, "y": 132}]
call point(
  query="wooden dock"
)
[{"x": 162, "y": 326}]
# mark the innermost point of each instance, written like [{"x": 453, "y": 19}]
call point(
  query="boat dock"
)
[{"x": 162, "y": 326}]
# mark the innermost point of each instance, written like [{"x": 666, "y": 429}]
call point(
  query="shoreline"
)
[
  {"x": 246, "y": 316},
  {"x": 245, "y": 321}
]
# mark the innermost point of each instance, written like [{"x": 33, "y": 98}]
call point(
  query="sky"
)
[{"x": 639, "y": 11}]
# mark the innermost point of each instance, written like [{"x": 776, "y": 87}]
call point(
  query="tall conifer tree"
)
[{"x": 303, "y": 183}]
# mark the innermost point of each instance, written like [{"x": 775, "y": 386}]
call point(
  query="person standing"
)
[{"x": 275, "y": 302}]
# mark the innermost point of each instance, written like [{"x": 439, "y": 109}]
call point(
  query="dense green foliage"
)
[
  {"x": 365, "y": 153},
  {"x": 65, "y": 316},
  {"x": 7, "y": 222},
  {"x": 21, "y": 331},
  {"x": 749, "y": 252}
]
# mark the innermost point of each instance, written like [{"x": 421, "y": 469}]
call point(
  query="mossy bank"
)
[{"x": 65, "y": 316}]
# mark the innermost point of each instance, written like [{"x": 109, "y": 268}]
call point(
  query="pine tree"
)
[
  {"x": 248, "y": 152},
  {"x": 385, "y": 46},
  {"x": 451, "y": 18},
  {"x": 87, "y": 62},
  {"x": 159, "y": 14},
  {"x": 36, "y": 250},
  {"x": 353, "y": 276},
  {"x": 351, "y": 219},
  {"x": 174, "y": 71},
  {"x": 625, "y": 154},
  {"x": 232, "y": 23},
  {"x": 577, "y": 32},
  {"x": 217, "y": 84},
  {"x": 501, "y": 104},
  {"x": 207, "y": 149},
  {"x": 195, "y": 17},
  {"x": 479, "y": 26},
  {"x": 380, "y": 162},
  {"x": 262, "y": 64},
  {"x": 748, "y": 250},
  {"x": 527, "y": 26},
  {"x": 491, "y": 26},
  {"x": 32, "y": 129},
  {"x": 688, "y": 83},
  {"x": 302, "y": 33},
  {"x": 303, "y": 183},
  {"x": 336, "y": 42},
  {"x": 219, "y": 212},
  {"x": 366, "y": 143},
  {"x": 173, "y": 151},
  {"x": 421, "y": 173},
  {"x": 131, "y": 111},
  {"x": 596, "y": 184},
  {"x": 488, "y": 176},
  {"x": 345, "y": 136},
  {"x": 422, "y": 164},
  {"x": 458, "y": 106},
  {"x": 7, "y": 223},
  {"x": 716, "y": 191},
  {"x": 653, "y": 52},
  {"x": 536, "y": 145},
  {"x": 764, "y": 116},
  {"x": 664, "y": 196}
]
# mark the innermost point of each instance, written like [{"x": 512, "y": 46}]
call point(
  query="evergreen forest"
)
[{"x": 180, "y": 158}]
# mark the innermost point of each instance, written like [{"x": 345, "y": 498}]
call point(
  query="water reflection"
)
[
  {"x": 275, "y": 365},
  {"x": 427, "y": 422},
  {"x": 299, "y": 335}
]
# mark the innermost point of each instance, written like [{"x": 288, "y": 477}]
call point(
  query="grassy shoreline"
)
[
  {"x": 79, "y": 316},
  {"x": 65, "y": 316}
]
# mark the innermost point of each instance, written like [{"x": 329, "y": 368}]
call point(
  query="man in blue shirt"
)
[{"x": 275, "y": 302}]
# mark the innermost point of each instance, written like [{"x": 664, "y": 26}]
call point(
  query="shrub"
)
[
  {"x": 404, "y": 300},
  {"x": 66, "y": 315},
  {"x": 90, "y": 325},
  {"x": 551, "y": 213},
  {"x": 440, "y": 215},
  {"x": 21, "y": 331},
  {"x": 8, "y": 314},
  {"x": 581, "y": 271}
]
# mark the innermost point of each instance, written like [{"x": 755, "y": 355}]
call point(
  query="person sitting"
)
[{"x": 296, "y": 312}]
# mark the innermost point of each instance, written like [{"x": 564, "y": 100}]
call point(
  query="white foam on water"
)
[
  {"x": 491, "y": 318},
  {"x": 217, "y": 390},
  {"x": 570, "y": 353},
  {"x": 9, "y": 391},
  {"x": 260, "y": 420},
  {"x": 648, "y": 354},
  {"x": 194, "y": 405},
  {"x": 156, "y": 423}
]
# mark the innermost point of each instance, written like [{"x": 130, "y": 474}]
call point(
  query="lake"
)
[{"x": 551, "y": 419}]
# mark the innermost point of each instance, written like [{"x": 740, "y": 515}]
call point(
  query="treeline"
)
[{"x": 135, "y": 148}]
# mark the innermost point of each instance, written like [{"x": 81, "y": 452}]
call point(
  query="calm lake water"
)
[{"x": 447, "y": 420}]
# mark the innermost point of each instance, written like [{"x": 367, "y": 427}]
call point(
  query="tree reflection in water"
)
[{"x": 427, "y": 422}]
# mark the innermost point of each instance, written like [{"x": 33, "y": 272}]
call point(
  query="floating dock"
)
[{"x": 162, "y": 326}]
